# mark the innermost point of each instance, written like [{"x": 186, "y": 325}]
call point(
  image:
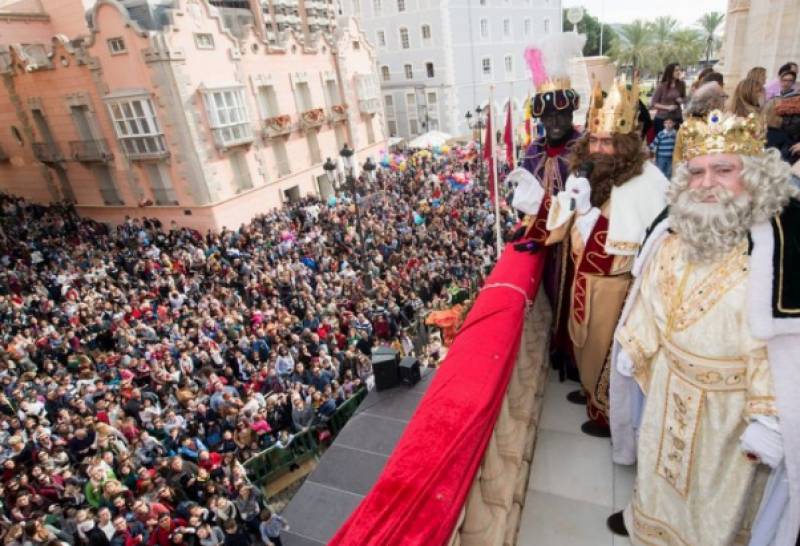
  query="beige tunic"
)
[{"x": 703, "y": 376}]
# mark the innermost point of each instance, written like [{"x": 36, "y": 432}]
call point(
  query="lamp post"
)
[
  {"x": 479, "y": 125},
  {"x": 330, "y": 172},
  {"x": 369, "y": 167},
  {"x": 350, "y": 183}
]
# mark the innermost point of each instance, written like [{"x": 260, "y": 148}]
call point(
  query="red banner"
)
[
  {"x": 488, "y": 152},
  {"x": 419, "y": 495},
  {"x": 508, "y": 137}
]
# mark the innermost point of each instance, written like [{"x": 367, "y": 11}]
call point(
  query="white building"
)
[{"x": 437, "y": 58}]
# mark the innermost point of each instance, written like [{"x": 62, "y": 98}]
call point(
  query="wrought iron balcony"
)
[
  {"x": 312, "y": 118},
  {"x": 338, "y": 113},
  {"x": 90, "y": 150},
  {"x": 47, "y": 152},
  {"x": 369, "y": 106},
  {"x": 277, "y": 126}
]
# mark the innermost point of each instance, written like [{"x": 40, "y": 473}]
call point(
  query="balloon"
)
[
  {"x": 332, "y": 201},
  {"x": 445, "y": 149},
  {"x": 402, "y": 166},
  {"x": 437, "y": 150}
]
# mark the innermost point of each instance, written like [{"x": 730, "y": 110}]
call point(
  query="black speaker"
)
[
  {"x": 384, "y": 366},
  {"x": 409, "y": 370}
]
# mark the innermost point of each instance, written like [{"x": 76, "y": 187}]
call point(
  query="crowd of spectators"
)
[{"x": 141, "y": 364}]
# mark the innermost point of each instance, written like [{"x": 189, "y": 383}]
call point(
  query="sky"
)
[{"x": 625, "y": 11}]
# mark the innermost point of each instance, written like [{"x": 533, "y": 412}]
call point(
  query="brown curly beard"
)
[{"x": 609, "y": 170}]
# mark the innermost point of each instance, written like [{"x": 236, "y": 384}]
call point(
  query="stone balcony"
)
[
  {"x": 278, "y": 126},
  {"x": 88, "y": 151},
  {"x": 311, "y": 119},
  {"x": 369, "y": 105}
]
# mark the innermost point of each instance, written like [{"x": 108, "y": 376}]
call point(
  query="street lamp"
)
[
  {"x": 369, "y": 166},
  {"x": 346, "y": 154},
  {"x": 330, "y": 171},
  {"x": 479, "y": 125}
]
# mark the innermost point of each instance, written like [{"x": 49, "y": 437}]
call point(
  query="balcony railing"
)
[
  {"x": 277, "y": 126},
  {"x": 145, "y": 147},
  {"x": 233, "y": 135},
  {"x": 312, "y": 118},
  {"x": 90, "y": 150},
  {"x": 338, "y": 113},
  {"x": 46, "y": 152},
  {"x": 369, "y": 106}
]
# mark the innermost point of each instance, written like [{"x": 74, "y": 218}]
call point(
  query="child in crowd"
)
[{"x": 663, "y": 146}]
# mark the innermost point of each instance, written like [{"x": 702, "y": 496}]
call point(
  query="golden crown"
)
[
  {"x": 617, "y": 112},
  {"x": 722, "y": 133},
  {"x": 554, "y": 84}
]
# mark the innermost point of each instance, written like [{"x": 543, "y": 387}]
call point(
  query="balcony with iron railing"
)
[
  {"x": 276, "y": 126},
  {"x": 90, "y": 150},
  {"x": 47, "y": 152},
  {"x": 312, "y": 118},
  {"x": 142, "y": 148}
]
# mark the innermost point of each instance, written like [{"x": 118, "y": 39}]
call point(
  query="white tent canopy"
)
[{"x": 430, "y": 139}]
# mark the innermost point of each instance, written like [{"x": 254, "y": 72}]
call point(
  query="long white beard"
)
[{"x": 710, "y": 230}]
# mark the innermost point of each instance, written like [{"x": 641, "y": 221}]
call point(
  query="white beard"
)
[{"x": 710, "y": 230}]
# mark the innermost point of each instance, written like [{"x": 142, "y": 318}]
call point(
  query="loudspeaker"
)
[
  {"x": 409, "y": 371},
  {"x": 384, "y": 366}
]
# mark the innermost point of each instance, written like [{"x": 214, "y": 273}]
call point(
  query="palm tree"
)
[
  {"x": 662, "y": 47},
  {"x": 709, "y": 23},
  {"x": 632, "y": 43},
  {"x": 687, "y": 46}
]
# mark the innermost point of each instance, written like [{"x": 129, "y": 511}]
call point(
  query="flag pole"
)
[
  {"x": 511, "y": 110},
  {"x": 498, "y": 236}
]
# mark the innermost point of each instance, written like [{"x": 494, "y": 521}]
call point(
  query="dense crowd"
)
[{"x": 141, "y": 364}]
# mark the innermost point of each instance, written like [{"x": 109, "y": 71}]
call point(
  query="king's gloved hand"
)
[{"x": 580, "y": 192}]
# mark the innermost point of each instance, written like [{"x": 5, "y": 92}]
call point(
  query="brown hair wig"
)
[{"x": 610, "y": 170}]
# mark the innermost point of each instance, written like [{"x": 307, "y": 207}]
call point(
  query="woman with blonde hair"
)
[{"x": 749, "y": 97}]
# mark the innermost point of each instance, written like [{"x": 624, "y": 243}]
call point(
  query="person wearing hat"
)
[{"x": 704, "y": 376}]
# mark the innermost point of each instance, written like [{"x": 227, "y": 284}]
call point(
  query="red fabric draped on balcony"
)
[{"x": 419, "y": 495}]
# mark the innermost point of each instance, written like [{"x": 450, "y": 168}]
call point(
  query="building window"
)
[
  {"x": 388, "y": 102},
  {"x": 381, "y": 38},
  {"x": 161, "y": 184},
  {"x": 136, "y": 127},
  {"x": 413, "y": 127},
  {"x": 401, "y": 5},
  {"x": 370, "y": 130},
  {"x": 392, "y": 126},
  {"x": 426, "y": 32},
  {"x": 385, "y": 73},
  {"x": 227, "y": 115},
  {"x": 278, "y": 146},
  {"x": 486, "y": 66},
  {"x": 303, "y": 96},
  {"x": 431, "y": 98},
  {"x": 483, "y": 2},
  {"x": 546, "y": 25},
  {"x": 409, "y": 72},
  {"x": 268, "y": 101},
  {"x": 509, "y": 64},
  {"x": 332, "y": 90},
  {"x": 376, "y": 7},
  {"x": 527, "y": 26},
  {"x": 404, "y": 43},
  {"x": 241, "y": 172},
  {"x": 429, "y": 69},
  {"x": 313, "y": 147},
  {"x": 117, "y": 46},
  {"x": 484, "y": 28},
  {"x": 506, "y": 28},
  {"x": 204, "y": 41}
]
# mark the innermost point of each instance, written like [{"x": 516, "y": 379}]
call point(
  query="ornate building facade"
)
[{"x": 162, "y": 109}]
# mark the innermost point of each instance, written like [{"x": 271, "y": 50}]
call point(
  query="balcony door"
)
[{"x": 80, "y": 115}]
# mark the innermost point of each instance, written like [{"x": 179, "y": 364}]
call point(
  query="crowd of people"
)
[{"x": 141, "y": 364}]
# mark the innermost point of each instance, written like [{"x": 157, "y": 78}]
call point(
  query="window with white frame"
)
[
  {"x": 426, "y": 32},
  {"x": 303, "y": 94},
  {"x": 381, "y": 38},
  {"x": 484, "y": 28},
  {"x": 409, "y": 71},
  {"x": 227, "y": 115},
  {"x": 404, "y": 43},
  {"x": 401, "y": 5},
  {"x": 432, "y": 99},
  {"x": 204, "y": 40},
  {"x": 136, "y": 126},
  {"x": 385, "y": 73},
  {"x": 268, "y": 101},
  {"x": 391, "y": 125},
  {"x": 388, "y": 102},
  {"x": 509, "y": 62},
  {"x": 429, "y": 70},
  {"x": 376, "y": 7},
  {"x": 332, "y": 92},
  {"x": 413, "y": 126},
  {"x": 546, "y": 25},
  {"x": 506, "y": 28},
  {"x": 116, "y": 46},
  {"x": 486, "y": 66},
  {"x": 527, "y": 26}
]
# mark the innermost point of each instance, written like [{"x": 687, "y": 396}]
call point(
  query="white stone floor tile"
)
[
  {"x": 623, "y": 485},
  {"x": 574, "y": 466},
  {"x": 557, "y": 413},
  {"x": 551, "y": 520}
]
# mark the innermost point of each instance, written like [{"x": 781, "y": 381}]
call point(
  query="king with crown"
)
[
  {"x": 601, "y": 216},
  {"x": 705, "y": 380}
]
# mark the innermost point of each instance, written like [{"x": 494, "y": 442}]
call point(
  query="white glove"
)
[
  {"x": 580, "y": 191},
  {"x": 763, "y": 438},
  {"x": 585, "y": 223},
  {"x": 625, "y": 365},
  {"x": 529, "y": 192}
]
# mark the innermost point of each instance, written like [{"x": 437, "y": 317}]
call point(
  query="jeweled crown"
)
[
  {"x": 722, "y": 133},
  {"x": 618, "y": 111}
]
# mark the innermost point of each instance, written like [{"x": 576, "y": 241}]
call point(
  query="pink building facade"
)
[{"x": 185, "y": 122}]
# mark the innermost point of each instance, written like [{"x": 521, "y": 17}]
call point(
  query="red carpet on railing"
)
[{"x": 419, "y": 495}]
